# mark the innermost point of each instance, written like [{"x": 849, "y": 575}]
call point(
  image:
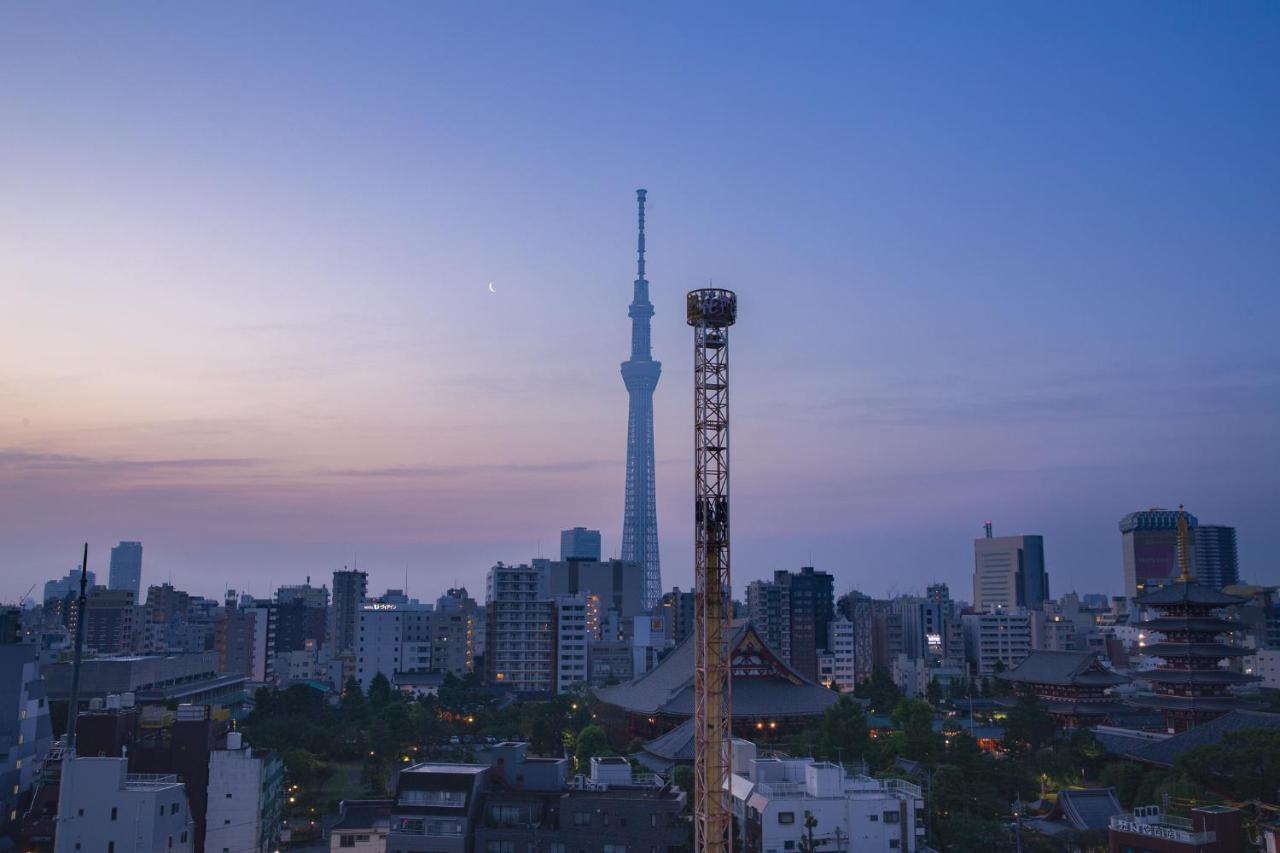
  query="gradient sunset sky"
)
[{"x": 1015, "y": 262}]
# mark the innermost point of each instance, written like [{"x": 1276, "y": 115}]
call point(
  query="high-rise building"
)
[
  {"x": 572, "y": 661},
  {"x": 998, "y": 640},
  {"x": 793, "y": 611},
  {"x": 619, "y": 584},
  {"x": 244, "y": 637},
  {"x": 453, "y": 633},
  {"x": 25, "y": 729},
  {"x": 840, "y": 646},
  {"x": 580, "y": 544},
  {"x": 640, "y": 374},
  {"x": 126, "y": 568},
  {"x": 108, "y": 621},
  {"x": 1149, "y": 540},
  {"x": 1008, "y": 571},
  {"x": 857, "y": 608},
  {"x": 520, "y": 626},
  {"x": 70, "y": 585},
  {"x": 394, "y": 637},
  {"x": 1215, "y": 561},
  {"x": 302, "y": 615},
  {"x": 349, "y": 591}
]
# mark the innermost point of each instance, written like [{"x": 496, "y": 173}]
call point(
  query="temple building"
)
[
  {"x": 1190, "y": 687},
  {"x": 769, "y": 697},
  {"x": 1072, "y": 685}
]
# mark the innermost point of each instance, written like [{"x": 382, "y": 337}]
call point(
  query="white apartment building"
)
[
  {"x": 773, "y": 798},
  {"x": 102, "y": 806},
  {"x": 246, "y": 799},
  {"x": 1003, "y": 635},
  {"x": 519, "y": 621},
  {"x": 392, "y": 637},
  {"x": 1264, "y": 663},
  {"x": 572, "y": 662},
  {"x": 840, "y": 647}
]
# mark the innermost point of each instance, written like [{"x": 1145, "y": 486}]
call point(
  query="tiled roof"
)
[
  {"x": 1063, "y": 668},
  {"x": 1165, "y": 752},
  {"x": 1188, "y": 593},
  {"x": 1090, "y": 808}
]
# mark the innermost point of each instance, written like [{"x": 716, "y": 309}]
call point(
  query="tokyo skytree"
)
[{"x": 640, "y": 374}]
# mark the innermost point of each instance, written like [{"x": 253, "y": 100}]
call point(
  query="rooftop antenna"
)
[
  {"x": 987, "y": 528},
  {"x": 73, "y": 707}
]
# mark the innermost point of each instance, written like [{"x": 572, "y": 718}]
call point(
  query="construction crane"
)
[{"x": 711, "y": 311}]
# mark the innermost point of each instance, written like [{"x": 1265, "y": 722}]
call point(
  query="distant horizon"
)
[{"x": 283, "y": 286}]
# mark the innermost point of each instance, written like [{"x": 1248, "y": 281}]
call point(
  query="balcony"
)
[{"x": 1150, "y": 822}]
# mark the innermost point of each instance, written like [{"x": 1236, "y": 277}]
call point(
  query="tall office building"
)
[
  {"x": 126, "y": 568},
  {"x": 349, "y": 591},
  {"x": 619, "y": 584},
  {"x": 1215, "y": 561},
  {"x": 640, "y": 374},
  {"x": 580, "y": 544},
  {"x": 1149, "y": 540},
  {"x": 793, "y": 610},
  {"x": 857, "y": 608},
  {"x": 395, "y": 638},
  {"x": 1008, "y": 571}
]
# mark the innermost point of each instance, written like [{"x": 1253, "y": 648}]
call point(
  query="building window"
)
[
  {"x": 114, "y": 812},
  {"x": 347, "y": 841},
  {"x": 875, "y": 818},
  {"x": 786, "y": 817},
  {"x": 893, "y": 844},
  {"x": 582, "y": 818},
  {"x": 892, "y": 817},
  {"x": 614, "y": 848}
]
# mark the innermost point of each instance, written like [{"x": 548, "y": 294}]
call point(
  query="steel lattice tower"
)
[
  {"x": 640, "y": 374},
  {"x": 711, "y": 312}
]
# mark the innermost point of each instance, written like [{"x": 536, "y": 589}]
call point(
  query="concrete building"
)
[
  {"x": 533, "y": 805},
  {"x": 997, "y": 636},
  {"x": 1209, "y": 829},
  {"x": 841, "y": 651},
  {"x": 70, "y": 585},
  {"x": 772, "y": 798},
  {"x": 1217, "y": 564},
  {"x": 1265, "y": 664},
  {"x": 349, "y": 591},
  {"x": 108, "y": 621},
  {"x": 362, "y": 826},
  {"x": 302, "y": 616},
  {"x": 126, "y": 569},
  {"x": 1149, "y": 543},
  {"x": 619, "y": 584},
  {"x": 453, "y": 633},
  {"x": 102, "y": 806},
  {"x": 792, "y": 612},
  {"x": 25, "y": 731},
  {"x": 246, "y": 799},
  {"x": 393, "y": 638},
  {"x": 520, "y": 620},
  {"x": 580, "y": 544},
  {"x": 858, "y": 609},
  {"x": 572, "y": 660},
  {"x": 244, "y": 636},
  {"x": 435, "y": 808},
  {"x": 153, "y": 680},
  {"x": 1008, "y": 571}
]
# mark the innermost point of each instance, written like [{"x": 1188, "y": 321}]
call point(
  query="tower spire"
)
[{"x": 640, "y": 374}]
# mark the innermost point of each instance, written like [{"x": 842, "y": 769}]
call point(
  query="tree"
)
[
  {"x": 591, "y": 742},
  {"x": 380, "y": 694},
  {"x": 1126, "y": 778},
  {"x": 354, "y": 709},
  {"x": 914, "y": 719},
  {"x": 880, "y": 690},
  {"x": 684, "y": 781},
  {"x": 933, "y": 693},
  {"x": 1028, "y": 727},
  {"x": 807, "y": 842},
  {"x": 1244, "y": 765}
]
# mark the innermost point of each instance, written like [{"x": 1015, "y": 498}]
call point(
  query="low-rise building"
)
[
  {"x": 435, "y": 808},
  {"x": 362, "y": 826},
  {"x": 778, "y": 802},
  {"x": 1209, "y": 829},
  {"x": 25, "y": 730},
  {"x": 997, "y": 639},
  {"x": 153, "y": 680},
  {"x": 102, "y": 806},
  {"x": 1073, "y": 685},
  {"x": 246, "y": 798}
]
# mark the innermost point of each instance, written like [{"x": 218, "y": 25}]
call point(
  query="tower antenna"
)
[
  {"x": 640, "y": 374},
  {"x": 711, "y": 312}
]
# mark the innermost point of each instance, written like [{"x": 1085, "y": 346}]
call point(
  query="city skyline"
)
[{"x": 248, "y": 316}]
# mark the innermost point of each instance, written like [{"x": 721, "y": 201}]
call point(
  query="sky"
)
[{"x": 1008, "y": 262}]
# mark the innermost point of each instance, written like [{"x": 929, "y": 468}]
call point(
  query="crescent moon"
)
[{"x": 491, "y": 290}]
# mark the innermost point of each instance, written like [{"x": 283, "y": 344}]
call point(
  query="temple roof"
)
[
  {"x": 1217, "y": 651},
  {"x": 1197, "y": 676},
  {"x": 763, "y": 684},
  {"x": 1077, "y": 669},
  {"x": 1188, "y": 593},
  {"x": 1166, "y": 750},
  {"x": 1085, "y": 809},
  {"x": 1202, "y": 624}
]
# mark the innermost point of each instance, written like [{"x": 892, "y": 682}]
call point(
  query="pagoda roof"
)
[
  {"x": 1207, "y": 624},
  {"x": 1083, "y": 709},
  {"x": 1077, "y": 669},
  {"x": 1187, "y": 703},
  {"x": 1216, "y": 651},
  {"x": 1197, "y": 676},
  {"x": 1188, "y": 592},
  {"x": 763, "y": 684}
]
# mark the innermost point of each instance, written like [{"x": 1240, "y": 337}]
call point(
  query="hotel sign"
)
[{"x": 1153, "y": 830}]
